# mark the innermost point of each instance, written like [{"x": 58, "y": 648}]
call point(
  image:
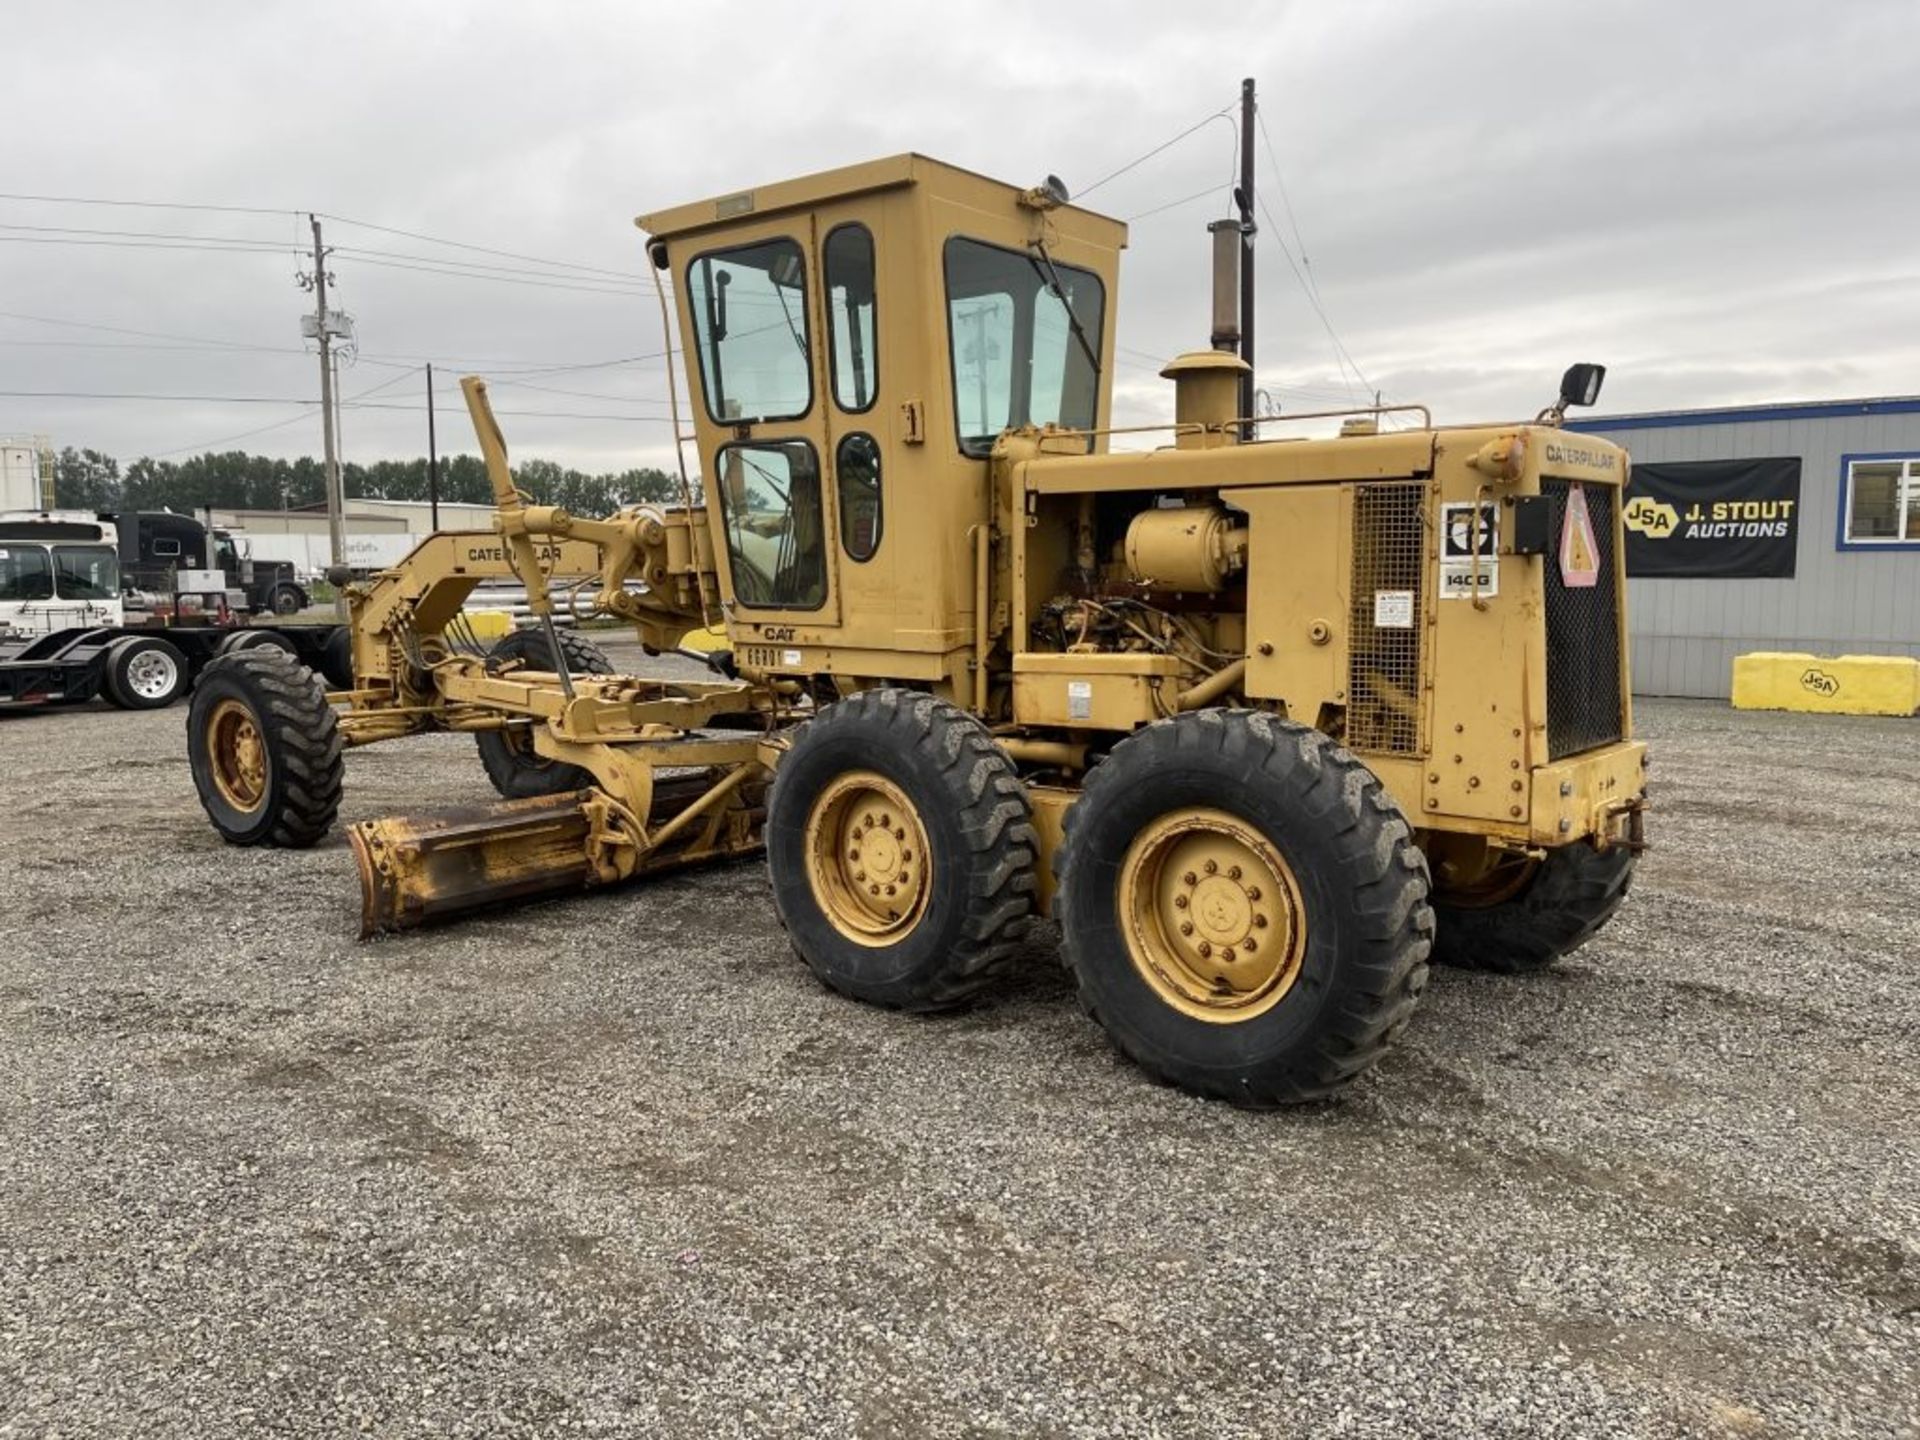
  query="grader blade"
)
[{"x": 420, "y": 870}]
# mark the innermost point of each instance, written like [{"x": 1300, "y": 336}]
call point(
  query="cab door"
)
[
  {"x": 849, "y": 284},
  {"x": 753, "y": 307}
]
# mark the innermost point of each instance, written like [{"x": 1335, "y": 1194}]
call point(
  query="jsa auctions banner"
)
[{"x": 1723, "y": 518}]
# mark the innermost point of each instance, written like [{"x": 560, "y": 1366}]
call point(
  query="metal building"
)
[{"x": 1775, "y": 527}]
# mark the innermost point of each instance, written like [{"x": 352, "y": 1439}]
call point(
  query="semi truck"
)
[
  {"x": 156, "y": 543},
  {"x": 66, "y": 636}
]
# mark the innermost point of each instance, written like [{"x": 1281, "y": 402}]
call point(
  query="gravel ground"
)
[{"x": 617, "y": 1165}]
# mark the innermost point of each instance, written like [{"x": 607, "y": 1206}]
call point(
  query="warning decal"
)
[
  {"x": 1469, "y": 550},
  {"x": 1579, "y": 546}
]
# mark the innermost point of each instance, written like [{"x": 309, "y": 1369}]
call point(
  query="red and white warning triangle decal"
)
[{"x": 1579, "y": 546}]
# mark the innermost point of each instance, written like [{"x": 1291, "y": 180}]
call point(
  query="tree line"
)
[{"x": 89, "y": 480}]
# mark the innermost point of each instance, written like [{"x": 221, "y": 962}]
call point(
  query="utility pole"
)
[
  {"x": 336, "y": 507},
  {"x": 433, "y": 455},
  {"x": 1244, "y": 195}
]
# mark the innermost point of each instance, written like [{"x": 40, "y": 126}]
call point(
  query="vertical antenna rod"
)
[{"x": 1244, "y": 195}]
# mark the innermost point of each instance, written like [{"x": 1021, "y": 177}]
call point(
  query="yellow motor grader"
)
[{"x": 1262, "y": 723}]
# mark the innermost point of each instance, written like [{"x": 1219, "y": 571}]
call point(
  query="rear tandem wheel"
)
[
  {"x": 1243, "y": 907},
  {"x": 901, "y": 849}
]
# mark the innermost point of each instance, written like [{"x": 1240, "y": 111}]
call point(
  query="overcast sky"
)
[{"x": 1717, "y": 200}]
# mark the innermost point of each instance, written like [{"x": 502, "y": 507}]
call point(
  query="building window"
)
[{"x": 1883, "y": 500}]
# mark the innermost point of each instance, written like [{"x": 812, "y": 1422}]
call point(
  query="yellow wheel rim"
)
[
  {"x": 867, "y": 858},
  {"x": 1497, "y": 884},
  {"x": 238, "y": 755},
  {"x": 1213, "y": 916}
]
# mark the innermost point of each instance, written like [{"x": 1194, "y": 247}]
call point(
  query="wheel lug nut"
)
[
  {"x": 900, "y": 834},
  {"x": 1190, "y": 878},
  {"x": 889, "y": 889},
  {"x": 1259, "y": 923},
  {"x": 1210, "y": 867},
  {"x": 905, "y": 855},
  {"x": 860, "y": 876},
  {"x": 1205, "y": 948},
  {"x": 873, "y": 889},
  {"x": 1186, "y": 927},
  {"x": 853, "y": 854},
  {"x": 1233, "y": 872},
  {"x": 1253, "y": 892},
  {"x": 1179, "y": 902},
  {"x": 1249, "y": 944},
  {"x": 886, "y": 821}
]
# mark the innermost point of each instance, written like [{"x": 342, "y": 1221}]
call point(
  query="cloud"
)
[{"x": 1710, "y": 198}]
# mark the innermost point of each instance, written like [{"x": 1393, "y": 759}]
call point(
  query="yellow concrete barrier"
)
[
  {"x": 1828, "y": 685},
  {"x": 490, "y": 624}
]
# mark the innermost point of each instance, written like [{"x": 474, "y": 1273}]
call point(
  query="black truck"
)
[{"x": 156, "y": 543}]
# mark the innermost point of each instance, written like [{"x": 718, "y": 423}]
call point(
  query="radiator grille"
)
[
  {"x": 1383, "y": 666},
  {"x": 1583, "y": 633}
]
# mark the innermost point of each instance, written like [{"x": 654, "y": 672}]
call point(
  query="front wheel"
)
[
  {"x": 288, "y": 601},
  {"x": 1243, "y": 907},
  {"x": 265, "y": 749},
  {"x": 1528, "y": 913},
  {"x": 901, "y": 848}
]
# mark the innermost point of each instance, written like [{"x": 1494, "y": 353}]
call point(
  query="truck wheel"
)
[
  {"x": 1243, "y": 907},
  {"x": 265, "y": 749},
  {"x": 1526, "y": 916},
  {"x": 144, "y": 672},
  {"x": 255, "y": 640},
  {"x": 518, "y": 771},
  {"x": 901, "y": 848},
  {"x": 286, "y": 600}
]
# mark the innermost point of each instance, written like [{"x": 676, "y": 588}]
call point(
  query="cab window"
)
[
  {"x": 750, "y": 326},
  {"x": 25, "y": 573},
  {"x": 776, "y": 540},
  {"x": 1016, "y": 357},
  {"x": 850, "y": 335},
  {"x": 856, "y": 469},
  {"x": 86, "y": 572}
]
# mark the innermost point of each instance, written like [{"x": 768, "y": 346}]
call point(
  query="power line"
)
[
  {"x": 145, "y": 204},
  {"x": 278, "y": 424},
  {"x": 498, "y": 279},
  {"x": 478, "y": 249},
  {"x": 1141, "y": 160},
  {"x": 1175, "y": 204},
  {"x": 1307, "y": 287}
]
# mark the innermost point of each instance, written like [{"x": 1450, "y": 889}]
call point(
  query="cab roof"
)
[{"x": 846, "y": 182}]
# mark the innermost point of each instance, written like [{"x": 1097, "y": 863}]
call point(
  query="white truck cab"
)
[{"x": 59, "y": 569}]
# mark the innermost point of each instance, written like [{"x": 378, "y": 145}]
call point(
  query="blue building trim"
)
[
  {"x": 1845, "y": 508},
  {"x": 1673, "y": 419}
]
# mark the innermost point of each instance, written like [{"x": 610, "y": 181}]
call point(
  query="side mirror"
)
[{"x": 1581, "y": 385}]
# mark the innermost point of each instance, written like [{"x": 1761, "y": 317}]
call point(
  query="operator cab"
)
[{"x": 861, "y": 338}]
